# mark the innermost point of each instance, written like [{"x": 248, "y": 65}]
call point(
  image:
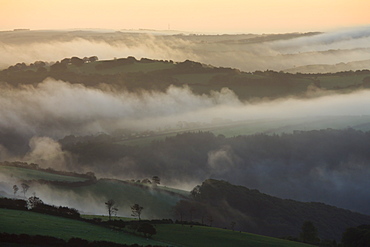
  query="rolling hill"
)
[
  {"x": 217, "y": 203},
  {"x": 158, "y": 75}
]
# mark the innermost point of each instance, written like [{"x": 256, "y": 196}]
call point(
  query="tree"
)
[
  {"x": 156, "y": 180},
  {"x": 58, "y": 67},
  {"x": 356, "y": 236},
  {"x": 195, "y": 193},
  {"x": 210, "y": 220},
  {"x": 136, "y": 210},
  {"x": 111, "y": 209},
  {"x": 25, "y": 187},
  {"x": 33, "y": 201},
  {"x": 147, "y": 229},
  {"x": 15, "y": 189},
  {"x": 93, "y": 59},
  {"x": 309, "y": 233},
  {"x": 76, "y": 61},
  {"x": 232, "y": 225}
]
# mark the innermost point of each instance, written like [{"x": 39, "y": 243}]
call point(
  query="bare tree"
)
[
  {"x": 15, "y": 189},
  {"x": 156, "y": 180},
  {"x": 111, "y": 209},
  {"x": 136, "y": 210},
  {"x": 25, "y": 188}
]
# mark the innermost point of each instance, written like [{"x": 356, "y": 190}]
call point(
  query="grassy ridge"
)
[
  {"x": 30, "y": 174},
  {"x": 157, "y": 203},
  {"x": 14, "y": 221}
]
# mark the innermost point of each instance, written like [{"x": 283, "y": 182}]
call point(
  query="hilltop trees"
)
[{"x": 111, "y": 208}]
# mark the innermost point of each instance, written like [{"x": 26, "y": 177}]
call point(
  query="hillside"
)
[
  {"x": 216, "y": 203},
  {"x": 24, "y": 222},
  {"x": 89, "y": 195},
  {"x": 326, "y": 165},
  {"x": 259, "y": 213}
]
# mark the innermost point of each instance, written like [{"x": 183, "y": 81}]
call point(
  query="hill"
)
[
  {"x": 130, "y": 74},
  {"x": 332, "y": 68},
  {"x": 24, "y": 222},
  {"x": 326, "y": 165},
  {"x": 90, "y": 194},
  {"x": 221, "y": 203}
]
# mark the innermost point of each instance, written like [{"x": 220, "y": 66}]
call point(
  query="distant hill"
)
[
  {"x": 259, "y": 213},
  {"x": 330, "y": 68},
  {"x": 130, "y": 74}
]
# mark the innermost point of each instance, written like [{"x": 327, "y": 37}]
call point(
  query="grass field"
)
[
  {"x": 200, "y": 236},
  {"x": 30, "y": 174},
  {"x": 17, "y": 222},
  {"x": 14, "y": 221}
]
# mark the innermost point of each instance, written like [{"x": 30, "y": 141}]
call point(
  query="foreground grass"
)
[
  {"x": 18, "y": 222},
  {"x": 200, "y": 236}
]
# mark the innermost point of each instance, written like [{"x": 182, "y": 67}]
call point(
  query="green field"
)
[
  {"x": 30, "y": 174},
  {"x": 17, "y": 222},
  {"x": 200, "y": 236}
]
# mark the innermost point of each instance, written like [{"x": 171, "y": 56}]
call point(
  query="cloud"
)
[
  {"x": 56, "y": 108},
  {"x": 46, "y": 152}
]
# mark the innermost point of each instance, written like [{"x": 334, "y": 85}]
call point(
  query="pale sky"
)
[{"x": 222, "y": 16}]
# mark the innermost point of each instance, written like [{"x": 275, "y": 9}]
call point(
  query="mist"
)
[
  {"x": 244, "y": 52},
  {"x": 55, "y": 108}
]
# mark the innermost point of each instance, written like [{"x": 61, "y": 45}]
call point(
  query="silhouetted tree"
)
[
  {"x": 156, "y": 180},
  {"x": 33, "y": 201},
  {"x": 77, "y": 61},
  {"x": 136, "y": 210},
  {"x": 25, "y": 188},
  {"x": 111, "y": 209},
  {"x": 93, "y": 59},
  {"x": 195, "y": 193},
  {"x": 356, "y": 236},
  {"x": 15, "y": 189},
  {"x": 232, "y": 225},
  {"x": 210, "y": 220},
  {"x": 309, "y": 233}
]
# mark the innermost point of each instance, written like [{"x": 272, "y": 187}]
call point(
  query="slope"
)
[{"x": 259, "y": 213}]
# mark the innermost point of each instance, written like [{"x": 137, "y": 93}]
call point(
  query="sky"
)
[{"x": 218, "y": 16}]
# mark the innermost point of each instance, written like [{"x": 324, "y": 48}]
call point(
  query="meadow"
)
[
  {"x": 31, "y": 174},
  {"x": 18, "y": 222}
]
